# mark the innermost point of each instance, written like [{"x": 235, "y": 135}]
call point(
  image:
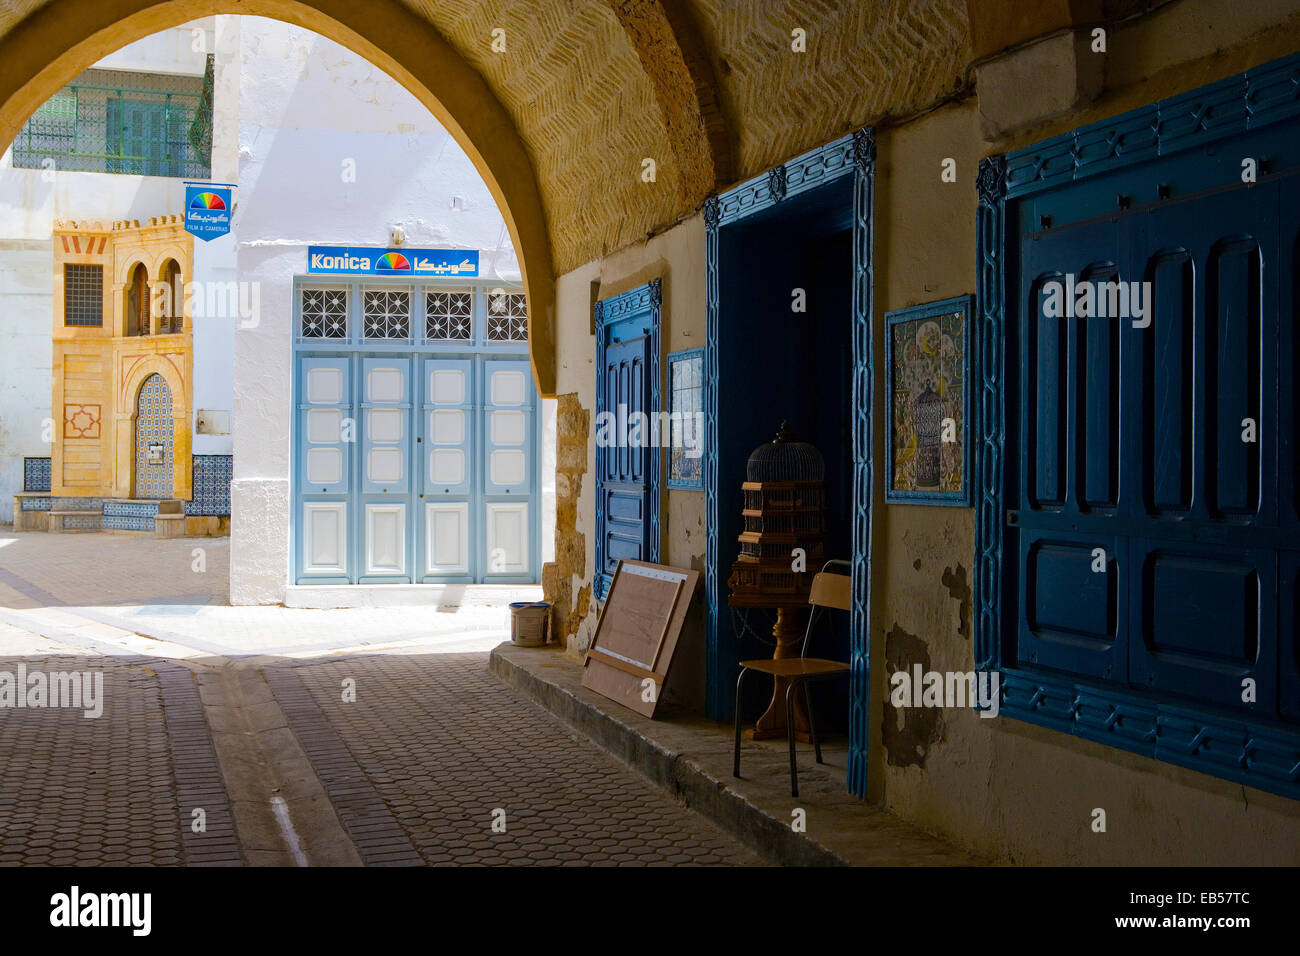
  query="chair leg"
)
[
  {"x": 789, "y": 732},
  {"x": 812, "y": 720},
  {"x": 735, "y": 760}
]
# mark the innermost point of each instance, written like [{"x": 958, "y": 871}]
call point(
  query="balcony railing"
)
[{"x": 88, "y": 127}]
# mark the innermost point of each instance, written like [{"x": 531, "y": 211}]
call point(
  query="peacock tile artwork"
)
[{"x": 927, "y": 384}]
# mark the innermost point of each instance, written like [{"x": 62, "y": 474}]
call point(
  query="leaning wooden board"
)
[{"x": 637, "y": 633}]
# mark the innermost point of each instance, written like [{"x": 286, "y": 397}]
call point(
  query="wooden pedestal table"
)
[{"x": 788, "y": 631}]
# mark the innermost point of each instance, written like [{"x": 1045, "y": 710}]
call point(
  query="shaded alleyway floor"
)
[{"x": 215, "y": 735}]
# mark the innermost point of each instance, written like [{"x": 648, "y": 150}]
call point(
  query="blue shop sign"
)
[
  {"x": 207, "y": 210},
  {"x": 360, "y": 261}
]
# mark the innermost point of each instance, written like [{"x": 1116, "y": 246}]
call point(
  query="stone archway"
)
[{"x": 58, "y": 40}]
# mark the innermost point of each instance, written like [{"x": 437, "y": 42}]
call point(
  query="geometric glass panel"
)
[
  {"x": 448, "y": 315},
  {"x": 507, "y": 315},
  {"x": 324, "y": 314},
  {"x": 386, "y": 314}
]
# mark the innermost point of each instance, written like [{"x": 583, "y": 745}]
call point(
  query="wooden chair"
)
[{"x": 830, "y": 589}]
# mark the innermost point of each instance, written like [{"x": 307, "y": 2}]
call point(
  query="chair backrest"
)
[{"x": 832, "y": 589}]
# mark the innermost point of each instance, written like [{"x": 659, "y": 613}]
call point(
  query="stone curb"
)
[{"x": 768, "y": 835}]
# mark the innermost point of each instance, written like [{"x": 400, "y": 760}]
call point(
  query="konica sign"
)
[
  {"x": 354, "y": 261},
  {"x": 207, "y": 210}
]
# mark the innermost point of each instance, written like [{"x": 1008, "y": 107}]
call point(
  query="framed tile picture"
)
[
  {"x": 927, "y": 390},
  {"x": 686, "y": 420}
]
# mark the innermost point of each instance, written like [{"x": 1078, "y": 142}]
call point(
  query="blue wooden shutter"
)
[{"x": 1131, "y": 441}]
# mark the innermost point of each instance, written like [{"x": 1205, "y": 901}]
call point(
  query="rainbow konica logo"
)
[
  {"x": 207, "y": 201},
  {"x": 393, "y": 262}
]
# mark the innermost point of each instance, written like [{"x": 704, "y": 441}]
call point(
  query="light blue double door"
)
[{"x": 415, "y": 469}]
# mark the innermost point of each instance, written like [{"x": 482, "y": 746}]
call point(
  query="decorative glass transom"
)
[
  {"x": 449, "y": 315},
  {"x": 507, "y": 317},
  {"x": 386, "y": 313},
  {"x": 324, "y": 313}
]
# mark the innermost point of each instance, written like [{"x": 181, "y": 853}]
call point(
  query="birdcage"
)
[{"x": 785, "y": 523}]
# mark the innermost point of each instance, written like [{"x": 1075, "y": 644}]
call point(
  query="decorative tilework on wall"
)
[
  {"x": 212, "y": 475},
  {"x": 153, "y": 476},
  {"x": 129, "y": 515},
  {"x": 36, "y": 474}
]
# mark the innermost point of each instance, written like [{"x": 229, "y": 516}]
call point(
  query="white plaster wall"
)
[
  {"x": 30, "y": 202},
  {"x": 180, "y": 50},
  {"x": 310, "y": 113},
  {"x": 214, "y": 260},
  {"x": 25, "y": 355}
]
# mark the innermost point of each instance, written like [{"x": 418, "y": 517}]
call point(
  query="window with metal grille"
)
[
  {"x": 112, "y": 121},
  {"x": 83, "y": 295},
  {"x": 386, "y": 313},
  {"x": 449, "y": 315},
  {"x": 507, "y": 316},
  {"x": 324, "y": 314}
]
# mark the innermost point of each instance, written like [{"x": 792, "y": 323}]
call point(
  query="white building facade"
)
[{"x": 382, "y": 436}]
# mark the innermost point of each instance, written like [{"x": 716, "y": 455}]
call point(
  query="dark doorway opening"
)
[{"x": 776, "y": 363}]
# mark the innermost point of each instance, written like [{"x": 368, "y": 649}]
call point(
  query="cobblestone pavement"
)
[
  {"x": 460, "y": 752},
  {"x": 109, "y": 789},
  {"x": 200, "y": 697}
]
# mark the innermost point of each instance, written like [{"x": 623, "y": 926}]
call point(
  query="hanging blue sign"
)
[
  {"x": 360, "y": 261},
  {"x": 207, "y": 210}
]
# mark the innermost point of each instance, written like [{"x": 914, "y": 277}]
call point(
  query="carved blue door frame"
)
[
  {"x": 628, "y": 481},
  {"x": 850, "y": 156}
]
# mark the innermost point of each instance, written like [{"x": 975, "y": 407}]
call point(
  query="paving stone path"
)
[{"x": 435, "y": 762}]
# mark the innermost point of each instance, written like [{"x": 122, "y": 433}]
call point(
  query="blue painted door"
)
[
  {"x": 385, "y": 512},
  {"x": 622, "y": 482},
  {"x": 1146, "y": 515},
  {"x": 325, "y": 430},
  {"x": 413, "y": 468},
  {"x": 507, "y": 429}
]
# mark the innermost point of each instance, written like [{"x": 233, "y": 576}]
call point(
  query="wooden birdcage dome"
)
[{"x": 784, "y": 510}]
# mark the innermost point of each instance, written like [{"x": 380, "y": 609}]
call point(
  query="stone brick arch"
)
[
  {"x": 55, "y": 41},
  {"x": 170, "y": 253},
  {"x": 128, "y": 269}
]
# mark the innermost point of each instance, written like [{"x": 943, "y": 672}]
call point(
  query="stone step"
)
[
  {"x": 72, "y": 521},
  {"x": 691, "y": 758}
]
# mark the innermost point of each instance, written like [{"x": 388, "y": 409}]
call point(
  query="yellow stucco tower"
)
[{"x": 123, "y": 360}]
